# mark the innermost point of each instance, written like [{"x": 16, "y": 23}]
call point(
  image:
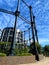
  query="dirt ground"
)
[{"x": 44, "y": 61}]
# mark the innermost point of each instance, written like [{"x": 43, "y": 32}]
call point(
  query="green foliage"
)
[
  {"x": 39, "y": 48},
  {"x": 46, "y": 50},
  {"x": 4, "y": 42},
  {"x": 22, "y": 52},
  {"x": 4, "y": 47},
  {"x": 2, "y": 54},
  {"x": 16, "y": 51},
  {"x": 25, "y": 50}
]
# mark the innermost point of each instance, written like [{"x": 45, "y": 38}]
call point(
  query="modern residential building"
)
[{"x": 7, "y": 35}]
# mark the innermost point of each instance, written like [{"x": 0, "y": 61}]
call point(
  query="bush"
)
[
  {"x": 46, "y": 50},
  {"x": 21, "y": 52},
  {"x": 5, "y": 43},
  {"x": 16, "y": 51},
  {"x": 39, "y": 48},
  {"x": 24, "y": 54},
  {"x": 2, "y": 54},
  {"x": 5, "y": 47}
]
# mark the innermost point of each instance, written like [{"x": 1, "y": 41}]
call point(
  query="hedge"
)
[{"x": 2, "y": 54}]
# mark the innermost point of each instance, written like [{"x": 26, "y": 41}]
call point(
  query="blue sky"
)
[{"x": 40, "y": 10}]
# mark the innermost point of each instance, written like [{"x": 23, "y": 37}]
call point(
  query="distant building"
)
[
  {"x": 19, "y": 36},
  {"x": 7, "y": 35}
]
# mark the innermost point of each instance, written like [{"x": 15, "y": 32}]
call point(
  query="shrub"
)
[
  {"x": 21, "y": 52},
  {"x": 46, "y": 50},
  {"x": 2, "y": 54},
  {"x": 5, "y": 43},
  {"x": 39, "y": 48},
  {"x": 5, "y": 47},
  {"x": 24, "y": 54},
  {"x": 16, "y": 51}
]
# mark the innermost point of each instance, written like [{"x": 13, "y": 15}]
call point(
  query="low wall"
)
[
  {"x": 41, "y": 57},
  {"x": 15, "y": 60}
]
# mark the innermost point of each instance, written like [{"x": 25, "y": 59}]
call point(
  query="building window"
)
[
  {"x": 4, "y": 39},
  {"x": 11, "y": 32},
  {"x": 10, "y": 39}
]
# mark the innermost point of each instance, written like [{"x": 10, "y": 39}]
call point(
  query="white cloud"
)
[
  {"x": 38, "y": 2},
  {"x": 43, "y": 40}
]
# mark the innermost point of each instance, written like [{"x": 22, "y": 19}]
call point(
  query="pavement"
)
[{"x": 44, "y": 61}]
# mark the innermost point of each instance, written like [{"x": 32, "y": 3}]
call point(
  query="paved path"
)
[{"x": 45, "y": 61}]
